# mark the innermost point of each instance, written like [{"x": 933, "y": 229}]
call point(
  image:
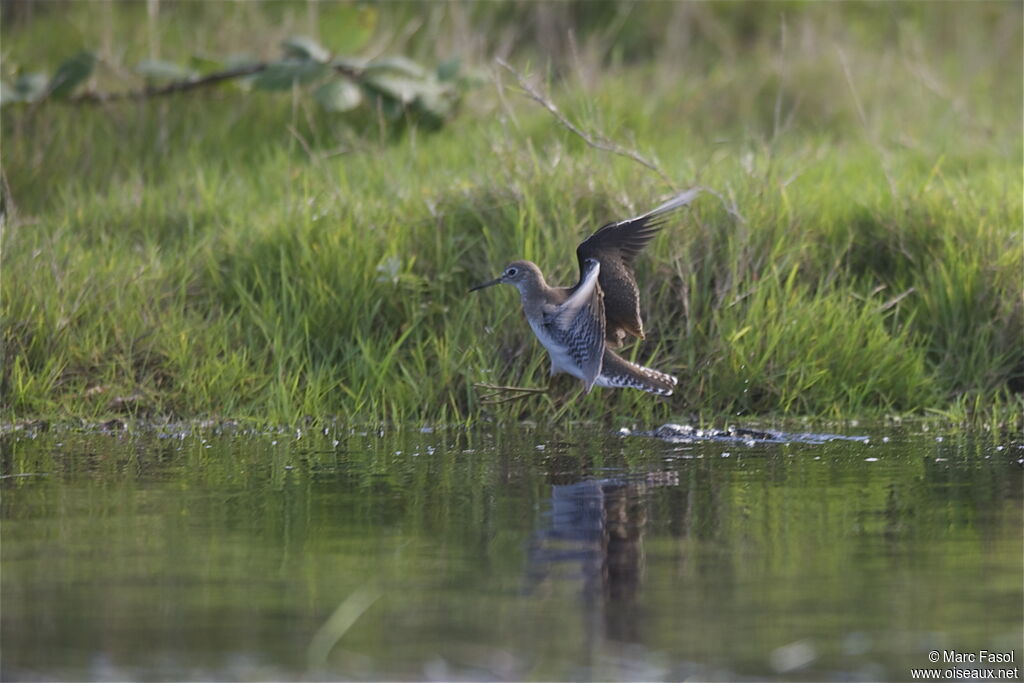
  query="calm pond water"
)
[{"x": 504, "y": 554}]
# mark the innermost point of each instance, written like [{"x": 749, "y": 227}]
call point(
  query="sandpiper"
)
[{"x": 579, "y": 325}]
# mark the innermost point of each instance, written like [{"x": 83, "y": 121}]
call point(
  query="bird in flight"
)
[{"x": 580, "y": 325}]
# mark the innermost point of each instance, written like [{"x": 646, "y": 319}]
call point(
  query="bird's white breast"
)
[{"x": 560, "y": 360}]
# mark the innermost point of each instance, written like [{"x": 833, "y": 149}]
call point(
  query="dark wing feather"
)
[
  {"x": 624, "y": 239},
  {"x": 615, "y": 245}
]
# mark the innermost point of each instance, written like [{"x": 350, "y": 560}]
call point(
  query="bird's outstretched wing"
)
[
  {"x": 615, "y": 245},
  {"x": 577, "y": 324}
]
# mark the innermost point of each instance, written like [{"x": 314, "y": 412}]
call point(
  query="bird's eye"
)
[{"x": 511, "y": 272}]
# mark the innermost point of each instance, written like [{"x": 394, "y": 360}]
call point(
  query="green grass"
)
[{"x": 234, "y": 255}]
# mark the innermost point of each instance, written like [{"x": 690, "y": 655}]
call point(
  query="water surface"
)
[{"x": 503, "y": 554}]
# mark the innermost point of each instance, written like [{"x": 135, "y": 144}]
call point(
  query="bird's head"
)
[{"x": 522, "y": 274}]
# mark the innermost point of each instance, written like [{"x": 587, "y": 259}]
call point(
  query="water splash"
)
[{"x": 676, "y": 433}]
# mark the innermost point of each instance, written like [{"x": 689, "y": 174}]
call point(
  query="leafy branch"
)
[{"x": 396, "y": 86}]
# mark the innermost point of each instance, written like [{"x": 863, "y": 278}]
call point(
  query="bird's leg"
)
[{"x": 504, "y": 394}]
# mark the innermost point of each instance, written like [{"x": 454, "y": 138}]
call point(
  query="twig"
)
[
  {"x": 170, "y": 88},
  {"x": 895, "y": 300},
  {"x": 185, "y": 85},
  {"x": 505, "y": 394},
  {"x": 502, "y": 387},
  {"x": 729, "y": 205},
  {"x": 883, "y": 160},
  {"x": 497, "y": 401},
  {"x": 302, "y": 141},
  {"x": 602, "y": 143},
  {"x": 595, "y": 141}
]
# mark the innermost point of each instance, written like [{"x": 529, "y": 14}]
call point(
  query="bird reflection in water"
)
[{"x": 595, "y": 534}]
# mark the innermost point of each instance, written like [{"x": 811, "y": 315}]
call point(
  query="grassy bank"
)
[{"x": 249, "y": 255}]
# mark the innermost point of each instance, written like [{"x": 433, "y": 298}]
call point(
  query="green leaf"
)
[
  {"x": 338, "y": 95},
  {"x": 391, "y": 108},
  {"x": 302, "y": 47},
  {"x": 159, "y": 70},
  {"x": 398, "y": 65},
  {"x": 71, "y": 74},
  {"x": 449, "y": 70},
  {"x": 398, "y": 88},
  {"x": 427, "y": 97},
  {"x": 435, "y": 101},
  {"x": 28, "y": 88},
  {"x": 288, "y": 72}
]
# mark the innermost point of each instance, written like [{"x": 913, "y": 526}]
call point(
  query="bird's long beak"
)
[{"x": 495, "y": 281}]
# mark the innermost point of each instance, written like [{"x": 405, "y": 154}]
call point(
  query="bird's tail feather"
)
[{"x": 617, "y": 372}]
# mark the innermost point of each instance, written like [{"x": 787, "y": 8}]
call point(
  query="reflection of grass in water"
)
[
  {"x": 340, "y": 621},
  {"x": 193, "y": 256}
]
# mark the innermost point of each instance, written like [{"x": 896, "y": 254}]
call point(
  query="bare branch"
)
[
  {"x": 895, "y": 300},
  {"x": 728, "y": 204},
  {"x": 883, "y": 159},
  {"x": 169, "y": 89},
  {"x": 504, "y": 394},
  {"x": 594, "y": 140},
  {"x": 602, "y": 143},
  {"x": 184, "y": 85}
]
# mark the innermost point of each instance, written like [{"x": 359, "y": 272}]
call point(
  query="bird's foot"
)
[{"x": 503, "y": 394}]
